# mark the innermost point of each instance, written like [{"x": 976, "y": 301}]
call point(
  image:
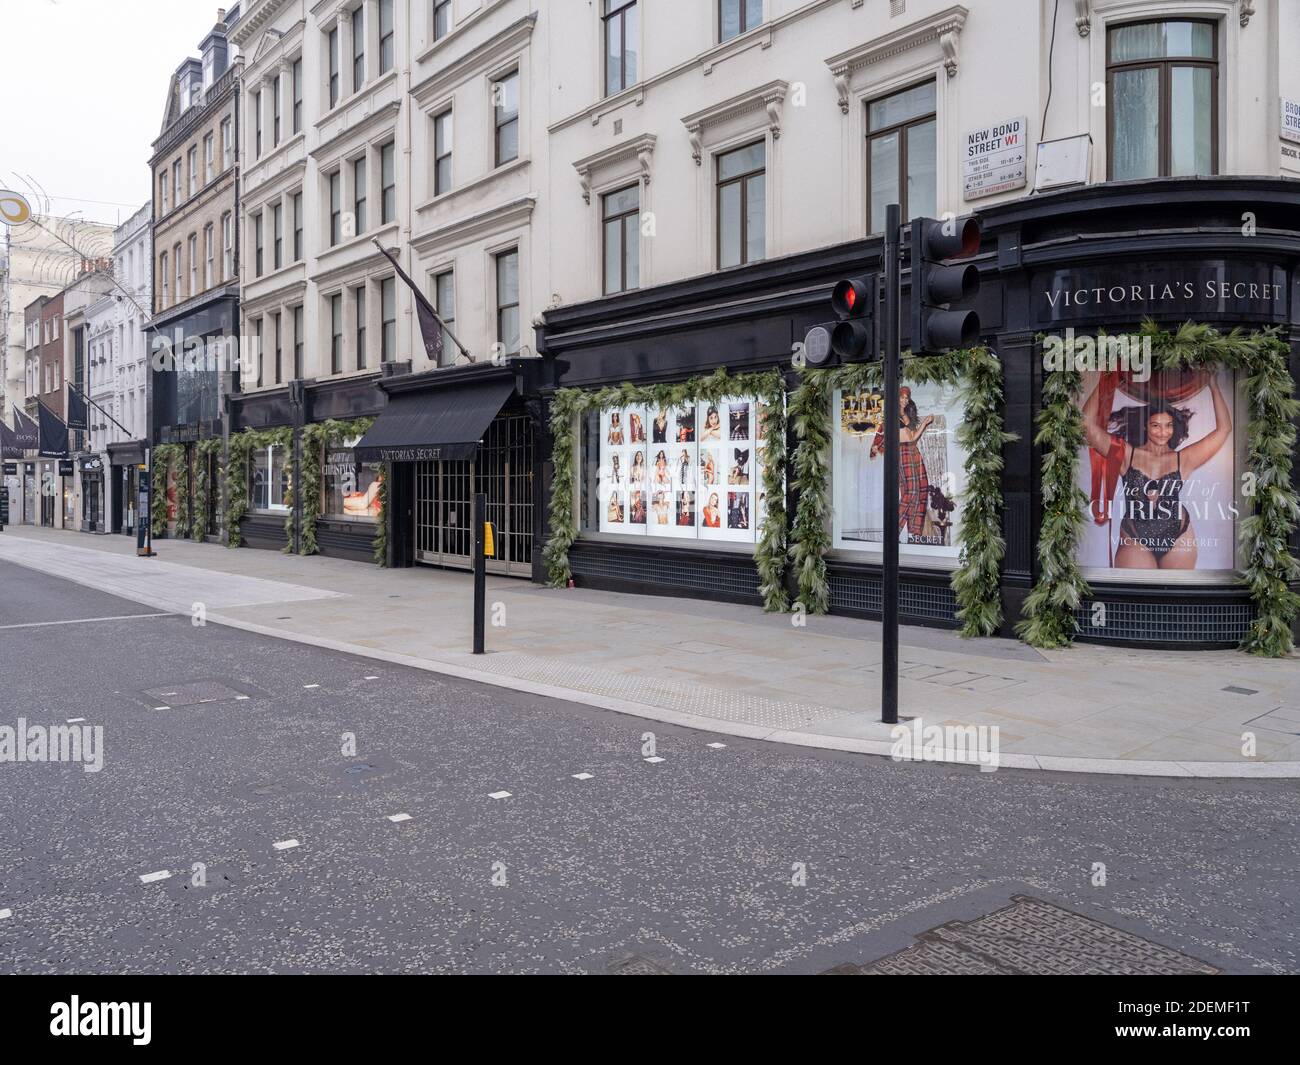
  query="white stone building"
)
[{"x": 118, "y": 375}]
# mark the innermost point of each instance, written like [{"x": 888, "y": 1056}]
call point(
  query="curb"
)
[{"x": 847, "y": 744}]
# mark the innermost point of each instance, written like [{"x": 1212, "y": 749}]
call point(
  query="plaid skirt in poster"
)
[{"x": 913, "y": 490}]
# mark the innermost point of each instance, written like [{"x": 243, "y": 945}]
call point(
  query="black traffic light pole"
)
[
  {"x": 480, "y": 569},
  {"x": 889, "y": 573}
]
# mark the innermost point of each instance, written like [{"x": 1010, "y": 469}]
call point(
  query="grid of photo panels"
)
[{"x": 689, "y": 472}]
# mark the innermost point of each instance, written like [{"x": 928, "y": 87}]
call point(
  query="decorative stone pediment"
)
[
  {"x": 769, "y": 98},
  {"x": 943, "y": 28},
  {"x": 639, "y": 148}
]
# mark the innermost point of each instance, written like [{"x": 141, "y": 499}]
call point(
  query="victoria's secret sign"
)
[{"x": 1125, "y": 292}]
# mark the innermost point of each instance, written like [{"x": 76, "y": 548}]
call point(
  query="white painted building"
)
[
  {"x": 118, "y": 371},
  {"x": 377, "y": 121}
]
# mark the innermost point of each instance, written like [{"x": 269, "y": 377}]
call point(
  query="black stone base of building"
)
[{"x": 721, "y": 575}]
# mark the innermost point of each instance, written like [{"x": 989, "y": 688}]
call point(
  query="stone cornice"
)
[
  {"x": 770, "y": 97},
  {"x": 326, "y": 151},
  {"x": 482, "y": 59},
  {"x": 255, "y": 19},
  {"x": 943, "y": 27},
  {"x": 641, "y": 148},
  {"x": 489, "y": 221}
]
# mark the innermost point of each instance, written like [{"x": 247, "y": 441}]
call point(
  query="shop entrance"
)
[
  {"x": 444, "y": 493},
  {"x": 91, "y": 486}
]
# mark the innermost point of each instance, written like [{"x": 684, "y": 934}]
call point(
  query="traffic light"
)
[
  {"x": 853, "y": 337},
  {"x": 937, "y": 283}
]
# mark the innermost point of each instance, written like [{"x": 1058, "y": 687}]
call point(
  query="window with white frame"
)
[
  {"x": 227, "y": 248},
  {"x": 507, "y": 293},
  {"x": 505, "y": 111},
  {"x": 269, "y": 474},
  {"x": 442, "y": 136},
  {"x": 444, "y": 302},
  {"x": 359, "y": 313},
  {"x": 210, "y": 253},
  {"x": 621, "y": 243},
  {"x": 209, "y": 159},
  {"x": 358, "y": 48},
  {"x": 227, "y": 144},
  {"x": 387, "y": 183},
  {"x": 901, "y": 154},
  {"x": 296, "y": 83},
  {"x": 192, "y": 157},
  {"x": 359, "y": 193},
  {"x": 742, "y": 205},
  {"x": 332, "y": 63},
  {"x": 441, "y": 19},
  {"x": 738, "y": 16},
  {"x": 336, "y": 206},
  {"x": 192, "y": 246},
  {"x": 277, "y": 236},
  {"x": 388, "y": 319},
  {"x": 385, "y": 36},
  {"x": 620, "y": 36}
]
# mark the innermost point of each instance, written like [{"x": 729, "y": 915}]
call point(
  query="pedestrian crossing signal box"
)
[{"x": 489, "y": 541}]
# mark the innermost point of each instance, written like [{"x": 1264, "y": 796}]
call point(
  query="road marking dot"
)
[
  {"x": 75, "y": 720},
  {"x": 581, "y": 776},
  {"x": 717, "y": 746},
  {"x": 242, "y": 698},
  {"x": 6, "y": 914},
  {"x": 395, "y": 818},
  {"x": 371, "y": 678},
  {"x": 311, "y": 685},
  {"x": 499, "y": 795},
  {"x": 149, "y": 878},
  {"x": 286, "y": 844},
  {"x": 654, "y": 760},
  {"x": 162, "y": 707}
]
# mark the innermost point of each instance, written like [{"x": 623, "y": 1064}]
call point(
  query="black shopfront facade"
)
[
  {"x": 294, "y": 406},
  {"x": 1101, "y": 259},
  {"x": 193, "y": 364}
]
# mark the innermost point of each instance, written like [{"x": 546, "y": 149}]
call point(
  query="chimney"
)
[{"x": 221, "y": 15}]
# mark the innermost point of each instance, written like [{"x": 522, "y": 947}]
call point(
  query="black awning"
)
[{"x": 428, "y": 426}]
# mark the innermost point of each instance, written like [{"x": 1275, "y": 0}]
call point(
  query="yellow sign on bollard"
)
[{"x": 489, "y": 541}]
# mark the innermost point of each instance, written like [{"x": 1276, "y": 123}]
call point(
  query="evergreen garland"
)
[
  {"x": 202, "y": 487},
  {"x": 236, "y": 474},
  {"x": 1047, "y": 616},
  {"x": 978, "y": 374},
  {"x": 163, "y": 457},
  {"x": 1268, "y": 568},
  {"x": 381, "y": 534},
  {"x": 569, "y": 404},
  {"x": 316, "y": 439}
]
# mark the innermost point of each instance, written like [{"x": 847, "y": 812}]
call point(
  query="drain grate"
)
[
  {"x": 192, "y": 694},
  {"x": 1031, "y": 937}
]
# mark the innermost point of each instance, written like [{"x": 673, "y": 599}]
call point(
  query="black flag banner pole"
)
[
  {"x": 84, "y": 399},
  {"x": 78, "y": 417},
  {"x": 431, "y": 324},
  {"x": 26, "y": 430},
  {"x": 53, "y": 433},
  {"x": 9, "y": 447}
]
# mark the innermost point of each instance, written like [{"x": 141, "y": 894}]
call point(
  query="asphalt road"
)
[{"x": 683, "y": 865}]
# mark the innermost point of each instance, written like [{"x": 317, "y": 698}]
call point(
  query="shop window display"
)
[
  {"x": 693, "y": 472},
  {"x": 931, "y": 477},
  {"x": 351, "y": 491},
  {"x": 1159, "y": 472}
]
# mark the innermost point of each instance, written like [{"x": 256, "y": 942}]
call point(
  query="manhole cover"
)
[
  {"x": 192, "y": 694},
  {"x": 1031, "y": 937},
  {"x": 637, "y": 966}
]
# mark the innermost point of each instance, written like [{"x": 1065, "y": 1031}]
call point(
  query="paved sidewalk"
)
[{"x": 726, "y": 668}]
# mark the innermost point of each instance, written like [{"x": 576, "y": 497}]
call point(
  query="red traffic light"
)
[{"x": 852, "y": 297}]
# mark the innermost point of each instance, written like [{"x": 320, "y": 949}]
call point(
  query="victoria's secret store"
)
[{"x": 670, "y": 502}]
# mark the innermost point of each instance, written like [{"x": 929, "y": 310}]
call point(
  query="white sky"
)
[{"x": 83, "y": 85}]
